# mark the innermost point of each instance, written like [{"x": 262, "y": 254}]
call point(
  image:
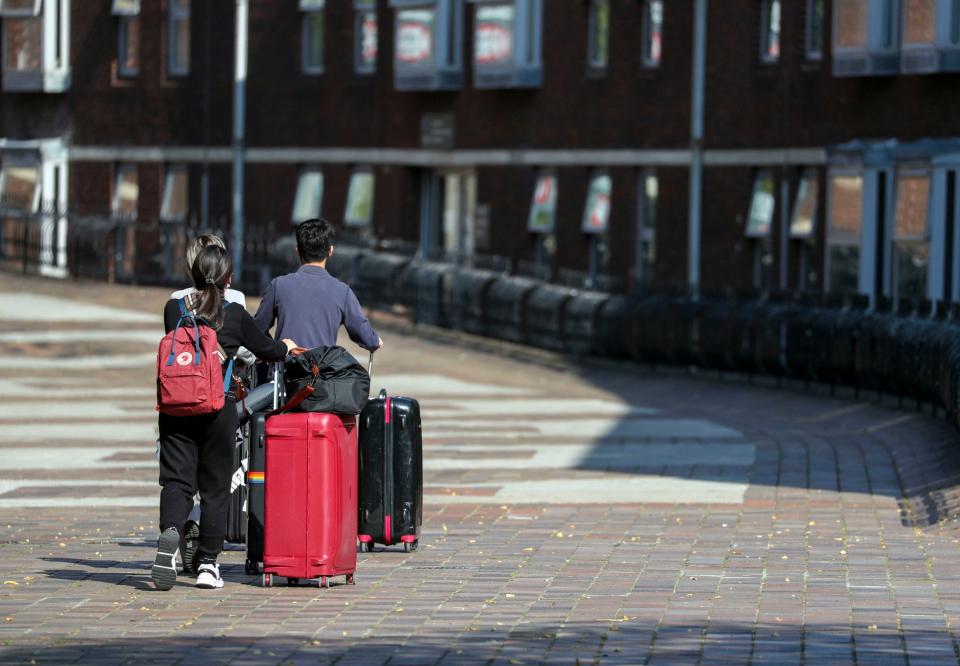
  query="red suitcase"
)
[{"x": 310, "y": 521}]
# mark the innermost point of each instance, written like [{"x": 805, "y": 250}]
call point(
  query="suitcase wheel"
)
[
  {"x": 351, "y": 579},
  {"x": 291, "y": 582},
  {"x": 324, "y": 582},
  {"x": 267, "y": 580},
  {"x": 366, "y": 546},
  {"x": 410, "y": 546}
]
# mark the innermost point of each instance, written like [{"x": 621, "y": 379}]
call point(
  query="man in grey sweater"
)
[{"x": 309, "y": 306}]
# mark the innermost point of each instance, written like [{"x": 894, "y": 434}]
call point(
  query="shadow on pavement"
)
[
  {"x": 628, "y": 642},
  {"x": 119, "y": 572}
]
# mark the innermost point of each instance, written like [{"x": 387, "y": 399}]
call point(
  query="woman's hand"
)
[{"x": 291, "y": 345}]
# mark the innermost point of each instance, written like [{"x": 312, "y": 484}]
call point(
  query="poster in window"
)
[
  {"x": 360, "y": 200},
  {"x": 762, "y": 204},
  {"x": 543, "y": 211},
  {"x": 596, "y": 215},
  {"x": 415, "y": 36},
  {"x": 494, "y": 35}
]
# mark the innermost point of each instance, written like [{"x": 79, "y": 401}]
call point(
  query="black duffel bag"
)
[{"x": 340, "y": 384}]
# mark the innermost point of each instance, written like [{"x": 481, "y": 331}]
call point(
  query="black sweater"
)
[{"x": 238, "y": 329}]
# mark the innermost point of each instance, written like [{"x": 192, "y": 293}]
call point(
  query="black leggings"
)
[{"x": 197, "y": 453}]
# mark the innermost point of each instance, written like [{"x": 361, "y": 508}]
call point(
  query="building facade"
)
[{"x": 627, "y": 144}]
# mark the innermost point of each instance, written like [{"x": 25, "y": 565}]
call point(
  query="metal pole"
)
[
  {"x": 239, "y": 136},
  {"x": 697, "y": 95}
]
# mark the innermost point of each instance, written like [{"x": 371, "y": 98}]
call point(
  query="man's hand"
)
[{"x": 379, "y": 344}]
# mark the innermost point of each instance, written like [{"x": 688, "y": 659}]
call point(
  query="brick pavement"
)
[{"x": 683, "y": 520}]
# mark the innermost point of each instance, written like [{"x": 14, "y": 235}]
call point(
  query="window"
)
[
  {"x": 428, "y": 39},
  {"x": 646, "y": 228},
  {"x": 843, "y": 232},
  {"x": 596, "y": 215},
  {"x": 36, "y": 40},
  {"x": 865, "y": 37},
  {"x": 126, "y": 192},
  {"x": 128, "y": 37},
  {"x": 20, "y": 188},
  {"x": 365, "y": 37},
  {"x": 911, "y": 246},
  {"x": 931, "y": 36},
  {"x": 306, "y": 203},
  {"x": 652, "y": 39},
  {"x": 803, "y": 221},
  {"x": 813, "y": 41},
  {"x": 596, "y": 220},
  {"x": 762, "y": 204},
  {"x": 506, "y": 43},
  {"x": 803, "y": 225},
  {"x": 543, "y": 209},
  {"x": 598, "y": 41},
  {"x": 770, "y": 31},
  {"x": 175, "y": 194},
  {"x": 312, "y": 36},
  {"x": 178, "y": 38},
  {"x": 360, "y": 199}
]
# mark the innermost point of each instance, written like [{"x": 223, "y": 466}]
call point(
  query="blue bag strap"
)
[
  {"x": 228, "y": 377},
  {"x": 185, "y": 314}
]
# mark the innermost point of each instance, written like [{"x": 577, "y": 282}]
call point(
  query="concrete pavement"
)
[{"x": 603, "y": 514}]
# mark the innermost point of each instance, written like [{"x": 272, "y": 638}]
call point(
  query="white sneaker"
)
[{"x": 208, "y": 576}]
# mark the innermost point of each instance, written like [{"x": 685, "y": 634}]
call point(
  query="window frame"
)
[
  {"x": 362, "y": 9},
  {"x": 9, "y": 12},
  {"x": 301, "y": 176},
  {"x": 897, "y": 241},
  {"x": 646, "y": 228},
  {"x": 879, "y": 55},
  {"x": 595, "y": 65},
  {"x": 307, "y": 68},
  {"x": 524, "y": 67},
  {"x": 52, "y": 19},
  {"x": 829, "y": 242},
  {"x": 445, "y": 69},
  {"x": 124, "y": 24},
  {"x": 348, "y": 219},
  {"x": 767, "y": 32},
  {"x": 646, "y": 35},
  {"x": 177, "y": 14},
  {"x": 169, "y": 176},
  {"x": 813, "y": 52},
  {"x": 942, "y": 53}
]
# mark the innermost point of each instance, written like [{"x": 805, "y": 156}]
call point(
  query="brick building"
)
[{"x": 563, "y": 135}]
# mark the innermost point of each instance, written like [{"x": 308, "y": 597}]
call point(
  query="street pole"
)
[
  {"x": 697, "y": 95},
  {"x": 239, "y": 136}
]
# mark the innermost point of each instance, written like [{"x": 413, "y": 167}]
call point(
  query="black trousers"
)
[{"x": 196, "y": 453}]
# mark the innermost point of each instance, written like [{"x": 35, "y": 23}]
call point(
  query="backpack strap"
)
[
  {"x": 185, "y": 314},
  {"x": 228, "y": 377}
]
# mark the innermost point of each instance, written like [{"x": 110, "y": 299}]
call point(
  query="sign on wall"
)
[{"x": 596, "y": 215}]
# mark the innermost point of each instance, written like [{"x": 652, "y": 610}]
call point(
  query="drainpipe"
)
[
  {"x": 697, "y": 95},
  {"x": 239, "y": 136}
]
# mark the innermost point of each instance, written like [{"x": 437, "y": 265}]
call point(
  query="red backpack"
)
[{"x": 190, "y": 378}]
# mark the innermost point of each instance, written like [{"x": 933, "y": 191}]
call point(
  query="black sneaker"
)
[
  {"x": 188, "y": 546},
  {"x": 164, "y": 570}
]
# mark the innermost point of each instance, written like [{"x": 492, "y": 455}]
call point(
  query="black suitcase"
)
[
  {"x": 256, "y": 465},
  {"x": 391, "y": 473},
  {"x": 237, "y": 507}
]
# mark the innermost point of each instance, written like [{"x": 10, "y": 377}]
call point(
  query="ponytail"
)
[{"x": 211, "y": 272}]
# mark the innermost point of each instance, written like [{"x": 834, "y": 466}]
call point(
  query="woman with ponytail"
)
[{"x": 196, "y": 452}]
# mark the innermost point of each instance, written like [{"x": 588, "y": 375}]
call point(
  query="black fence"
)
[{"x": 911, "y": 351}]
